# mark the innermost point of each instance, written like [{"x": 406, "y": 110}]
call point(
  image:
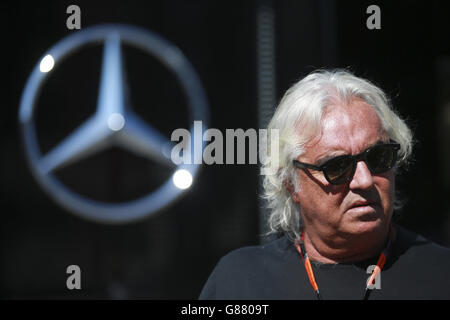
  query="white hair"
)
[{"x": 298, "y": 119}]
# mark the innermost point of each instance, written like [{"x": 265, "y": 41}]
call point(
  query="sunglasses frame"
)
[{"x": 355, "y": 159}]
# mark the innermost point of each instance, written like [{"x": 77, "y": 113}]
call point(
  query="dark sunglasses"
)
[{"x": 340, "y": 170}]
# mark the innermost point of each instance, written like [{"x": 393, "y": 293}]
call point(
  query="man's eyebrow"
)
[
  {"x": 328, "y": 156},
  {"x": 321, "y": 160}
]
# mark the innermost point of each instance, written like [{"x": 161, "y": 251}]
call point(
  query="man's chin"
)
[{"x": 366, "y": 225}]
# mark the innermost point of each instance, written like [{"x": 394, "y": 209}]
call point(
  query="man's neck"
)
[{"x": 344, "y": 250}]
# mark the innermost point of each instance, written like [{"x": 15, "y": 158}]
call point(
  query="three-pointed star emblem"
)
[{"x": 113, "y": 123}]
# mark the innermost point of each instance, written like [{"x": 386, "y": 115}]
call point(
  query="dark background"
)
[{"x": 170, "y": 255}]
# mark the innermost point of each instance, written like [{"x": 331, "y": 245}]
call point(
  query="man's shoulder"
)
[
  {"x": 276, "y": 251},
  {"x": 275, "y": 248},
  {"x": 418, "y": 268},
  {"x": 254, "y": 272},
  {"x": 417, "y": 246}
]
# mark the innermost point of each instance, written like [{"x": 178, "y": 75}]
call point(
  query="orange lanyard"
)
[{"x": 299, "y": 244}]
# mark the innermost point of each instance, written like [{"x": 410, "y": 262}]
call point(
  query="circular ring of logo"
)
[{"x": 168, "y": 55}]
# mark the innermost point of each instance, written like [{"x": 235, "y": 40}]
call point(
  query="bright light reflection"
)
[
  {"x": 116, "y": 121},
  {"x": 182, "y": 179},
  {"x": 47, "y": 63}
]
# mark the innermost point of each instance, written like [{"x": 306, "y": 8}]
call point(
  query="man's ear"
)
[{"x": 290, "y": 187}]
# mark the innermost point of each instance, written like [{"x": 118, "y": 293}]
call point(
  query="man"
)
[{"x": 332, "y": 199}]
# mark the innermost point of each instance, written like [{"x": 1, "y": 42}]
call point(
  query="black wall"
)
[{"x": 171, "y": 255}]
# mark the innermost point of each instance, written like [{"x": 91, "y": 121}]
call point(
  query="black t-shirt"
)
[{"x": 416, "y": 269}]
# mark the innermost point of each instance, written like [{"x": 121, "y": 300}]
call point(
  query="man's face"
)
[{"x": 331, "y": 210}]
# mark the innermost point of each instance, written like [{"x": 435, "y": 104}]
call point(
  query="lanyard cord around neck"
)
[{"x": 300, "y": 245}]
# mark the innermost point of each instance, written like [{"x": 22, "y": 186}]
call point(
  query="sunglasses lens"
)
[
  {"x": 381, "y": 158},
  {"x": 339, "y": 170}
]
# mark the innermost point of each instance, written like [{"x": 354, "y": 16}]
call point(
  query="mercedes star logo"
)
[{"x": 113, "y": 123}]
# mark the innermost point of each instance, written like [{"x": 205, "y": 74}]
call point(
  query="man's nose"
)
[{"x": 362, "y": 178}]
